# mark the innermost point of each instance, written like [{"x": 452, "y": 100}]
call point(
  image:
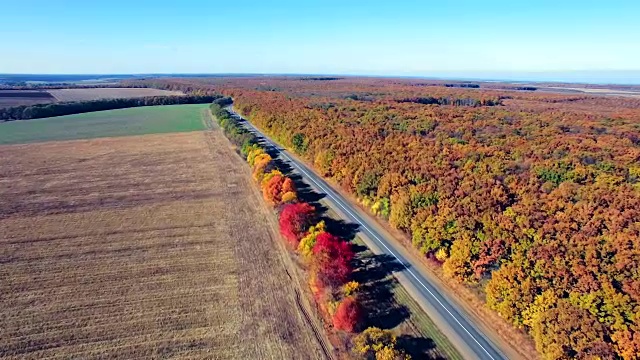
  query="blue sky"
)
[{"x": 391, "y": 37}]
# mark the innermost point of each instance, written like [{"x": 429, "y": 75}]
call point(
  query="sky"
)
[{"x": 463, "y": 38}]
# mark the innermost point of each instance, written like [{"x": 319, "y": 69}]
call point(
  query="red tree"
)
[
  {"x": 332, "y": 260},
  {"x": 348, "y": 315},
  {"x": 294, "y": 221}
]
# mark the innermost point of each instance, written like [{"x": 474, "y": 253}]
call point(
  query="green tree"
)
[{"x": 299, "y": 143}]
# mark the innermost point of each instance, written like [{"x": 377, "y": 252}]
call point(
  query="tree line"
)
[
  {"x": 463, "y": 85},
  {"x": 26, "y": 112},
  {"x": 430, "y": 100}
]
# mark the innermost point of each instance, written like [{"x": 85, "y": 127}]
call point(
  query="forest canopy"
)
[{"x": 534, "y": 197}]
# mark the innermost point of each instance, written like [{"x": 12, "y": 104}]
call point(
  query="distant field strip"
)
[
  {"x": 107, "y": 93},
  {"x": 140, "y": 247},
  {"x": 132, "y": 121},
  {"x": 9, "y": 98}
]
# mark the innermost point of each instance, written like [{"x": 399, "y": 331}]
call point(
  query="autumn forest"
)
[{"x": 532, "y": 197}]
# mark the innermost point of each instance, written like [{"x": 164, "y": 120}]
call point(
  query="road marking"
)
[{"x": 357, "y": 219}]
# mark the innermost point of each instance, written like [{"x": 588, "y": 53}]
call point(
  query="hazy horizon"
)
[
  {"x": 472, "y": 39},
  {"x": 617, "y": 77}
]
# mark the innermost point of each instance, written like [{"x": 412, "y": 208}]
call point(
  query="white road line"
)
[{"x": 357, "y": 219}]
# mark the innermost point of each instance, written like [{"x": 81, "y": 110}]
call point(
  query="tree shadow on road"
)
[
  {"x": 373, "y": 272},
  {"x": 341, "y": 228}
]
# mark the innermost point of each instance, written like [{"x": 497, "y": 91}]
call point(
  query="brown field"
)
[
  {"x": 107, "y": 93},
  {"x": 150, "y": 246},
  {"x": 593, "y": 91},
  {"x": 9, "y": 98}
]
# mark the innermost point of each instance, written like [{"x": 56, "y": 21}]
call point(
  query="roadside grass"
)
[{"x": 108, "y": 123}]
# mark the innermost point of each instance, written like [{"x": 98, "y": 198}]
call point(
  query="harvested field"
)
[
  {"x": 107, "y": 93},
  {"x": 140, "y": 247},
  {"x": 9, "y": 98},
  {"x": 131, "y": 121}
]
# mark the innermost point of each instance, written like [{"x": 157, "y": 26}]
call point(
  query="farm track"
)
[{"x": 317, "y": 333}]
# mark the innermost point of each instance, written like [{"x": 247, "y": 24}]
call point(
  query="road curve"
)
[{"x": 449, "y": 317}]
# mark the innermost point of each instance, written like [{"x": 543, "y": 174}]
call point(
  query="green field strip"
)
[{"x": 109, "y": 123}]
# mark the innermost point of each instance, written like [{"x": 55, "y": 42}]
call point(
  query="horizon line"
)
[{"x": 600, "y": 76}]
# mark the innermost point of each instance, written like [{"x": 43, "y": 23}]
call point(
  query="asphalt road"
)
[{"x": 449, "y": 317}]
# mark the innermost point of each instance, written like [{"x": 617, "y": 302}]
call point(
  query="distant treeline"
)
[
  {"x": 473, "y": 86},
  {"x": 26, "y": 112},
  {"x": 452, "y": 101},
  {"x": 321, "y": 78},
  {"x": 184, "y": 85}
]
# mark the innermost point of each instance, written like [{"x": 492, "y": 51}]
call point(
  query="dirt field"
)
[
  {"x": 591, "y": 91},
  {"x": 107, "y": 93},
  {"x": 9, "y": 98},
  {"x": 138, "y": 247}
]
